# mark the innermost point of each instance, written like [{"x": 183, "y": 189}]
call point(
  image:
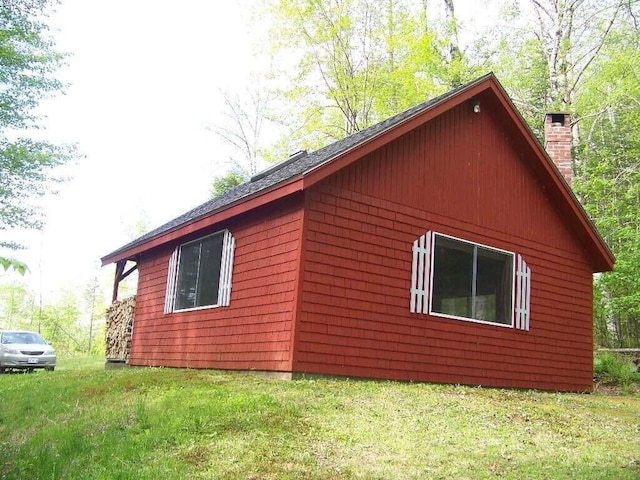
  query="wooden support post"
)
[
  {"x": 116, "y": 281},
  {"x": 121, "y": 275}
]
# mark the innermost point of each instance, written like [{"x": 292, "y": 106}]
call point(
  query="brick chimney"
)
[{"x": 557, "y": 142}]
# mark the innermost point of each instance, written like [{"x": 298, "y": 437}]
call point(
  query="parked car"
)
[{"x": 24, "y": 350}]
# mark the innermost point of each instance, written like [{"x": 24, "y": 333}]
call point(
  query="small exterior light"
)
[{"x": 475, "y": 105}]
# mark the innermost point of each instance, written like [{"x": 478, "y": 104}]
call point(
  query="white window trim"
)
[
  {"x": 422, "y": 283},
  {"x": 225, "y": 280}
]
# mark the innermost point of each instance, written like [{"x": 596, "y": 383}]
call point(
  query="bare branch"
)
[
  {"x": 598, "y": 48},
  {"x": 245, "y": 114}
]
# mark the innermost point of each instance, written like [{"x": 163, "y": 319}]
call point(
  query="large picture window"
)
[
  {"x": 471, "y": 282},
  {"x": 200, "y": 273},
  {"x": 460, "y": 279}
]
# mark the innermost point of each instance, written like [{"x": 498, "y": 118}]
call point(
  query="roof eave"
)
[{"x": 238, "y": 207}]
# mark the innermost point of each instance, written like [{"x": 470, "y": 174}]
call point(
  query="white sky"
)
[{"x": 144, "y": 79}]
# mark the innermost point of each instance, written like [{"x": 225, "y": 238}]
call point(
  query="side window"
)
[
  {"x": 458, "y": 279},
  {"x": 200, "y": 273}
]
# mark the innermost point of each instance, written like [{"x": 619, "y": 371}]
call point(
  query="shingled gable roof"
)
[{"x": 305, "y": 170}]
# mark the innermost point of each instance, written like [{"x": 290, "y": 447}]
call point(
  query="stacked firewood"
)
[{"x": 119, "y": 328}]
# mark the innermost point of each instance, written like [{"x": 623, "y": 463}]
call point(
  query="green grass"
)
[
  {"x": 80, "y": 363},
  {"x": 82, "y": 422}
]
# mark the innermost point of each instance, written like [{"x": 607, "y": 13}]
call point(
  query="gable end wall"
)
[{"x": 458, "y": 175}]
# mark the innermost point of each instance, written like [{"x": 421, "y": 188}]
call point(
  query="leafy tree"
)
[
  {"x": 60, "y": 325},
  {"x": 340, "y": 66},
  {"x": 356, "y": 62},
  {"x": 28, "y": 61},
  {"x": 608, "y": 181},
  {"x": 72, "y": 324},
  {"x": 571, "y": 35},
  {"x": 227, "y": 182},
  {"x": 57, "y": 322},
  {"x": 17, "y": 304},
  {"x": 544, "y": 50}
]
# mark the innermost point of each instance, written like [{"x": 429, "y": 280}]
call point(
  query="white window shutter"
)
[
  {"x": 523, "y": 294},
  {"x": 171, "y": 282},
  {"x": 421, "y": 274},
  {"x": 226, "y": 269}
]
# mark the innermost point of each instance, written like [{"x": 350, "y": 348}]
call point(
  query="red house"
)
[{"x": 440, "y": 245}]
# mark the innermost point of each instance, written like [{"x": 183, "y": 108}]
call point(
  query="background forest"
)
[{"x": 326, "y": 69}]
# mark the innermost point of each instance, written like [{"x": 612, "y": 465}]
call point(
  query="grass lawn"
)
[{"x": 82, "y": 422}]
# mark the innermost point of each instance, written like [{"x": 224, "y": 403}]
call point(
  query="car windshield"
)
[{"x": 22, "y": 337}]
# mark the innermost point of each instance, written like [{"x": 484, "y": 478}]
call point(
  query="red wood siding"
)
[
  {"x": 254, "y": 332},
  {"x": 461, "y": 175}
]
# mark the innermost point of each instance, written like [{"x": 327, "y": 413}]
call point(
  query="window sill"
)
[
  {"x": 195, "y": 309},
  {"x": 472, "y": 320}
]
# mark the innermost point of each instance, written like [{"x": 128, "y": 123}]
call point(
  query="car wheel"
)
[
  {"x": 2, "y": 370},
  {"x": 29, "y": 370},
  {"x": 49, "y": 369}
]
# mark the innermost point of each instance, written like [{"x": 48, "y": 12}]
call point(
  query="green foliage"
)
[
  {"x": 63, "y": 323},
  {"x": 226, "y": 182},
  {"x": 608, "y": 183},
  {"x": 17, "y": 306},
  {"x": 614, "y": 369},
  {"x": 356, "y": 62},
  {"x": 174, "y": 424},
  {"x": 520, "y": 65},
  {"x": 28, "y": 61},
  {"x": 545, "y": 58},
  {"x": 18, "y": 266},
  {"x": 59, "y": 325}
]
